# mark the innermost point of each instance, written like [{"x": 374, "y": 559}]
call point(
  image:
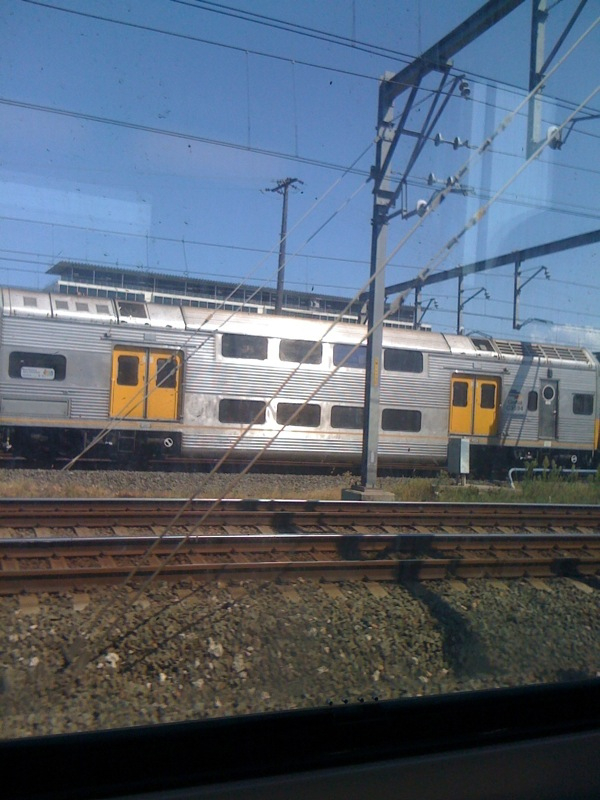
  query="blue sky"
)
[{"x": 171, "y": 137}]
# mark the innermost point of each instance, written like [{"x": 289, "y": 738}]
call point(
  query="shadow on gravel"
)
[{"x": 462, "y": 647}]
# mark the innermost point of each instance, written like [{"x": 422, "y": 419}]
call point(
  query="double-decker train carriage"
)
[{"x": 182, "y": 382}]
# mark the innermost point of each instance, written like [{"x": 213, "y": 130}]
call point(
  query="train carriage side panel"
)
[
  {"x": 55, "y": 373},
  {"x": 71, "y": 385},
  {"x": 250, "y": 378},
  {"x": 554, "y": 412}
]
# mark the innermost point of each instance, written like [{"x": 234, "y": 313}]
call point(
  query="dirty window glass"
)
[{"x": 234, "y": 184}]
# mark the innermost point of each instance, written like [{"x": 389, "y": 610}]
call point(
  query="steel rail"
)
[
  {"x": 330, "y": 558},
  {"x": 389, "y": 542},
  {"x": 287, "y": 515},
  {"x": 395, "y": 571}
]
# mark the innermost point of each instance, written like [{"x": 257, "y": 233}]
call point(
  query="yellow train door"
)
[
  {"x": 461, "y": 405},
  {"x": 164, "y": 372},
  {"x": 145, "y": 383},
  {"x": 474, "y": 405},
  {"x": 485, "y": 413},
  {"x": 128, "y": 383}
]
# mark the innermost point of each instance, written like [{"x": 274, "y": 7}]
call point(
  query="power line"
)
[
  {"x": 292, "y": 27},
  {"x": 420, "y": 183},
  {"x": 295, "y": 61},
  {"x": 372, "y": 49},
  {"x": 201, "y": 40},
  {"x": 176, "y": 240},
  {"x": 178, "y": 134},
  {"x": 160, "y": 131}
]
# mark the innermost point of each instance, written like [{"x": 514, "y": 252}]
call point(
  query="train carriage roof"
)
[{"x": 29, "y": 303}]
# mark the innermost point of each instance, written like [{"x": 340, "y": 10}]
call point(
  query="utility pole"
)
[
  {"x": 409, "y": 79},
  {"x": 282, "y": 188},
  {"x": 539, "y": 15},
  {"x": 538, "y": 65}
]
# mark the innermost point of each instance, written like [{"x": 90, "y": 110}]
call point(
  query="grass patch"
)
[
  {"x": 549, "y": 487},
  {"x": 417, "y": 490}
]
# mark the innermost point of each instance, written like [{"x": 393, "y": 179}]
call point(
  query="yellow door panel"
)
[
  {"x": 128, "y": 382},
  {"x": 485, "y": 417},
  {"x": 164, "y": 371},
  {"x": 461, "y": 405}
]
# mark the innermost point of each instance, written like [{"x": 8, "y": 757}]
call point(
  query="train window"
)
[
  {"x": 358, "y": 359},
  {"x": 532, "y": 401},
  {"x": 131, "y": 309},
  {"x": 403, "y": 360},
  {"x": 236, "y": 345},
  {"x": 37, "y": 366},
  {"x": 245, "y": 411},
  {"x": 309, "y": 416},
  {"x": 298, "y": 350},
  {"x": 347, "y": 417},
  {"x": 127, "y": 372},
  {"x": 583, "y": 404},
  {"x": 488, "y": 395},
  {"x": 460, "y": 393},
  {"x": 166, "y": 373},
  {"x": 395, "y": 419}
]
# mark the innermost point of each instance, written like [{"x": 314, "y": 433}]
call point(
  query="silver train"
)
[{"x": 134, "y": 382}]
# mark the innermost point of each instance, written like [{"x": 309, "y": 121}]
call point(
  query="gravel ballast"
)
[
  {"x": 109, "y": 658},
  {"x": 46, "y": 483},
  {"x": 257, "y": 647}
]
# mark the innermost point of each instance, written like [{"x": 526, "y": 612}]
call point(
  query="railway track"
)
[
  {"x": 57, "y": 564},
  {"x": 53, "y": 544},
  {"x": 289, "y": 516}
]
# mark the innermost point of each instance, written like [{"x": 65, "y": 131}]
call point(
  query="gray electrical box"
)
[{"x": 459, "y": 462}]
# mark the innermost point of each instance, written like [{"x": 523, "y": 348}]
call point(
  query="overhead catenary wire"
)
[
  {"x": 456, "y": 178},
  {"x": 496, "y": 275},
  {"x": 20, "y": 256},
  {"x": 297, "y": 61},
  {"x": 519, "y": 200},
  {"x": 176, "y": 134},
  {"x": 451, "y": 243},
  {"x": 564, "y": 209},
  {"x": 328, "y": 36}
]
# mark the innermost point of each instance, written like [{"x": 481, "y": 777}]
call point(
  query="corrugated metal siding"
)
[
  {"x": 87, "y": 381},
  {"x": 295, "y": 444},
  {"x": 41, "y": 335},
  {"x": 90, "y": 404},
  {"x": 410, "y": 390},
  {"x": 522, "y": 425},
  {"x": 84, "y": 403},
  {"x": 416, "y": 448}
]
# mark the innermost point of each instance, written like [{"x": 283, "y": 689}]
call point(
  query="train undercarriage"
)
[{"x": 48, "y": 447}]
